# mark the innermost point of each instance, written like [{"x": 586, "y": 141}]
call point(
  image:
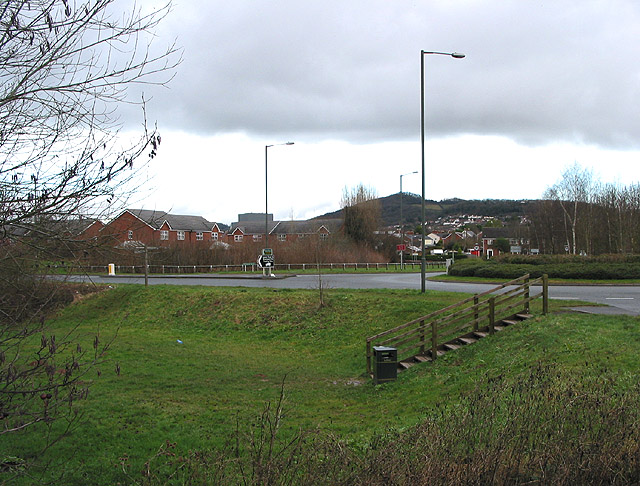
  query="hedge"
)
[{"x": 569, "y": 270}]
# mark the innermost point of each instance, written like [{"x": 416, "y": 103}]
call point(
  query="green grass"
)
[{"x": 239, "y": 346}]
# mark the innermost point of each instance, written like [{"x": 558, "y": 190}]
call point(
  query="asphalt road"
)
[{"x": 619, "y": 299}]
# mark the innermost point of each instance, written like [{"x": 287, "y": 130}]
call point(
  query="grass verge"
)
[{"x": 197, "y": 365}]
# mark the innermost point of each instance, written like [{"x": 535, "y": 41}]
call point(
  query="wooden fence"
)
[
  {"x": 426, "y": 337},
  {"x": 251, "y": 267}
]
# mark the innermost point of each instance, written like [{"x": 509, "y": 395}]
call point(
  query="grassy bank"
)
[{"x": 197, "y": 365}]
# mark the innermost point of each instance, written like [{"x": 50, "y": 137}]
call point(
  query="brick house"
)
[
  {"x": 158, "y": 228},
  {"x": 245, "y": 231},
  {"x": 517, "y": 242},
  {"x": 282, "y": 231},
  {"x": 91, "y": 230},
  {"x": 289, "y": 231}
]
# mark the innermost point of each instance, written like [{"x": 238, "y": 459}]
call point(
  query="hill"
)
[{"x": 411, "y": 208}]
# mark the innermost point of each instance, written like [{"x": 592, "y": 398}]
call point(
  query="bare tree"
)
[
  {"x": 64, "y": 69},
  {"x": 361, "y": 210},
  {"x": 633, "y": 195},
  {"x": 575, "y": 188},
  {"x": 619, "y": 208},
  {"x": 598, "y": 218}
]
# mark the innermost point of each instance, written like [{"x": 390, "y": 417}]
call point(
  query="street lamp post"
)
[
  {"x": 423, "y": 265},
  {"x": 266, "y": 197},
  {"x": 401, "y": 218}
]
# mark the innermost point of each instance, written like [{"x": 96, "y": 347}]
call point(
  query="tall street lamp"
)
[
  {"x": 266, "y": 198},
  {"x": 401, "y": 218},
  {"x": 455, "y": 55}
]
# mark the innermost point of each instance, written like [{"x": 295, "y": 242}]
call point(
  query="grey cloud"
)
[{"x": 536, "y": 72}]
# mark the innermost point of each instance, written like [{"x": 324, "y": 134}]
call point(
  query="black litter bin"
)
[{"x": 385, "y": 364}]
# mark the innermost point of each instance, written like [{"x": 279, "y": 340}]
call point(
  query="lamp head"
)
[{"x": 457, "y": 55}]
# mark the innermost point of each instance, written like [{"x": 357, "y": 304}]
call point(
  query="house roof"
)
[
  {"x": 493, "y": 233},
  {"x": 12, "y": 230},
  {"x": 71, "y": 226},
  {"x": 181, "y": 222},
  {"x": 77, "y": 226},
  {"x": 308, "y": 227},
  {"x": 253, "y": 227}
]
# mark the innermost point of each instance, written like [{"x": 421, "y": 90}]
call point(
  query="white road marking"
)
[{"x": 619, "y": 298}]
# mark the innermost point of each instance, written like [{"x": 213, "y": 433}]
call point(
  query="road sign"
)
[
  {"x": 401, "y": 247},
  {"x": 265, "y": 261},
  {"x": 267, "y": 258}
]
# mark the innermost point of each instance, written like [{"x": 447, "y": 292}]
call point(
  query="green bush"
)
[
  {"x": 562, "y": 259},
  {"x": 570, "y": 268}
]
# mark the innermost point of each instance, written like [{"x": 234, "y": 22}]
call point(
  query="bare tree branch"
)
[{"x": 64, "y": 69}]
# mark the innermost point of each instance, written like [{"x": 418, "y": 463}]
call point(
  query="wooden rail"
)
[
  {"x": 248, "y": 267},
  {"x": 427, "y": 336}
]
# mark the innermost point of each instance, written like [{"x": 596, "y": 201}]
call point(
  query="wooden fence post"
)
[
  {"x": 434, "y": 341},
  {"x": 545, "y": 294},
  {"x": 422, "y": 336},
  {"x": 369, "y": 368},
  {"x": 476, "y": 311},
  {"x": 526, "y": 295},
  {"x": 492, "y": 315}
]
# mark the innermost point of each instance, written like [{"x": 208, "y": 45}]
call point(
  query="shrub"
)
[
  {"x": 544, "y": 427},
  {"x": 510, "y": 268}
]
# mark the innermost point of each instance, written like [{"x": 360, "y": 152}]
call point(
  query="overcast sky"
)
[{"x": 544, "y": 84}]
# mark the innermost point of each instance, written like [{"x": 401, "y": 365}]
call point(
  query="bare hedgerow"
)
[{"x": 546, "y": 427}]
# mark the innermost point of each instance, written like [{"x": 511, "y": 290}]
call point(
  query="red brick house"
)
[
  {"x": 282, "y": 231},
  {"x": 518, "y": 243},
  {"x": 158, "y": 228},
  {"x": 246, "y": 231},
  {"x": 92, "y": 231},
  {"x": 288, "y": 231}
]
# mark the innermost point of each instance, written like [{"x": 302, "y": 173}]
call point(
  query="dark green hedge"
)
[
  {"x": 547, "y": 259},
  {"x": 567, "y": 270}
]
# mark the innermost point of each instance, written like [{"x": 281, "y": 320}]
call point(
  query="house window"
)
[
  {"x": 181, "y": 235},
  {"x": 130, "y": 234},
  {"x": 164, "y": 235},
  {"x": 199, "y": 236},
  {"x": 257, "y": 237},
  {"x": 214, "y": 236},
  {"x": 237, "y": 238},
  {"x": 324, "y": 236},
  {"x": 282, "y": 237}
]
